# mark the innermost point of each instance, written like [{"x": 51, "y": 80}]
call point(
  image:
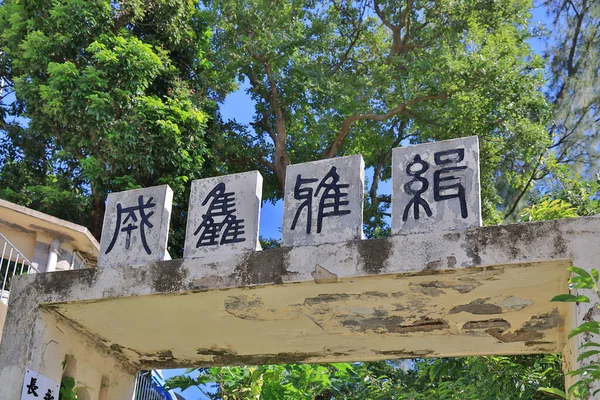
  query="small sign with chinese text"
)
[
  {"x": 435, "y": 187},
  {"x": 37, "y": 386}
]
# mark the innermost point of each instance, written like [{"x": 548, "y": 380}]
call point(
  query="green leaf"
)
[
  {"x": 571, "y": 298},
  {"x": 590, "y": 344},
  {"x": 556, "y": 392},
  {"x": 580, "y": 271},
  {"x": 590, "y": 326},
  {"x": 68, "y": 382},
  {"x": 587, "y": 354}
]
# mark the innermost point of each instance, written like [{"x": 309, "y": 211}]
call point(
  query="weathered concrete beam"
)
[{"x": 481, "y": 291}]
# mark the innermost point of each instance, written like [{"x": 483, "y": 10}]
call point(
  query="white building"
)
[{"x": 31, "y": 241}]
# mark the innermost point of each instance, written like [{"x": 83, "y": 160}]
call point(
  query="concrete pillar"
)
[
  {"x": 588, "y": 258},
  {"x": 41, "y": 340},
  {"x": 53, "y": 255}
]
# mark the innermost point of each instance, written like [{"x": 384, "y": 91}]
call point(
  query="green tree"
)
[
  {"x": 115, "y": 97},
  {"x": 480, "y": 378},
  {"x": 333, "y": 78},
  {"x": 573, "y": 91}
]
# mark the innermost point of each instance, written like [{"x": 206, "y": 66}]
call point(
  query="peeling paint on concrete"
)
[
  {"x": 426, "y": 290},
  {"x": 425, "y": 324},
  {"x": 496, "y": 323},
  {"x": 377, "y": 324},
  {"x": 321, "y": 275},
  {"x": 215, "y": 351},
  {"x": 245, "y": 307},
  {"x": 451, "y": 261},
  {"x": 520, "y": 335},
  {"x": 513, "y": 303},
  {"x": 461, "y": 287},
  {"x": 478, "y": 307},
  {"x": 160, "y": 356},
  {"x": 402, "y": 353},
  {"x": 544, "y": 321},
  {"x": 328, "y": 298}
]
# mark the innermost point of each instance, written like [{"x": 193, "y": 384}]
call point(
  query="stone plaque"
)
[
  {"x": 223, "y": 215},
  {"x": 136, "y": 227},
  {"x": 323, "y": 201},
  {"x": 435, "y": 186}
]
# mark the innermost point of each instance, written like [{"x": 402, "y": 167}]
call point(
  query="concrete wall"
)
[
  {"x": 22, "y": 239},
  {"x": 3, "y": 310},
  {"x": 93, "y": 371}
]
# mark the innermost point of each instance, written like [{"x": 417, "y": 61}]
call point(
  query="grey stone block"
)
[
  {"x": 136, "y": 227},
  {"x": 435, "y": 187},
  {"x": 323, "y": 202},
  {"x": 224, "y": 216}
]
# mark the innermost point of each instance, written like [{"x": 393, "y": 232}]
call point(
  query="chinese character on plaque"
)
[
  {"x": 323, "y": 201},
  {"x": 436, "y": 186},
  {"x": 223, "y": 215},
  {"x": 136, "y": 227}
]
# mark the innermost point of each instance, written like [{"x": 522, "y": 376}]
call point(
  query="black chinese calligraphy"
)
[
  {"x": 49, "y": 395},
  {"x": 305, "y": 195},
  {"x": 416, "y": 191},
  {"x": 219, "y": 224},
  {"x": 332, "y": 197},
  {"x": 447, "y": 184},
  {"x": 130, "y": 223},
  {"x": 331, "y": 201},
  {"x": 32, "y": 387}
]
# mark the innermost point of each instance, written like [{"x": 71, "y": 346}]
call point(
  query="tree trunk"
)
[{"x": 98, "y": 209}]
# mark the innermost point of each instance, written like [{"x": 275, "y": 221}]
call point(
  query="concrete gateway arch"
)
[{"x": 424, "y": 292}]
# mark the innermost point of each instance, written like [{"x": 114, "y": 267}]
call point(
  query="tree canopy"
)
[
  {"x": 344, "y": 77},
  {"x": 114, "y": 95}
]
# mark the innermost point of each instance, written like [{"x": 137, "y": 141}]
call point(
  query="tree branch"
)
[
  {"x": 281, "y": 158},
  {"x": 344, "y": 57},
  {"x": 526, "y": 187},
  {"x": 381, "y": 16},
  {"x": 570, "y": 67},
  {"x": 383, "y": 158},
  {"x": 266, "y": 121},
  {"x": 335, "y": 146}
]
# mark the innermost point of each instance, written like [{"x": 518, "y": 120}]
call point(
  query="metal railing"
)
[
  {"x": 146, "y": 389},
  {"x": 12, "y": 263}
]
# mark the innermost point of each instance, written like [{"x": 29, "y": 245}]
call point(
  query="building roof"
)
[{"x": 25, "y": 218}]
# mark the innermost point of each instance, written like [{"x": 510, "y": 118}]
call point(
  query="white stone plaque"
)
[
  {"x": 223, "y": 215},
  {"x": 435, "y": 187},
  {"x": 37, "y": 386},
  {"x": 323, "y": 201},
  {"x": 136, "y": 227}
]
